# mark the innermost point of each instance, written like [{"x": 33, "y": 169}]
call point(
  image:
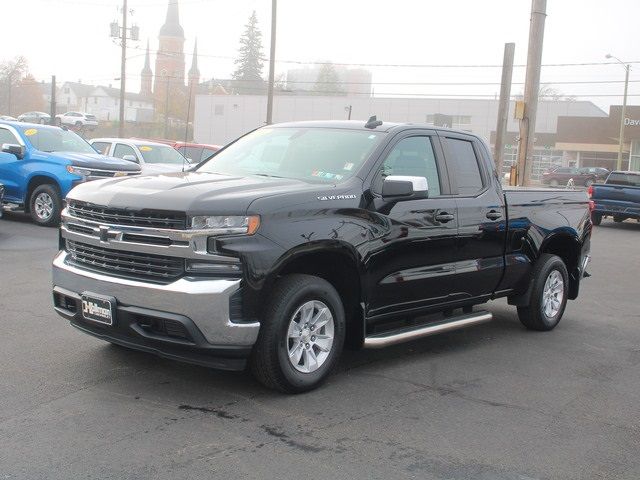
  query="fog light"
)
[{"x": 219, "y": 268}]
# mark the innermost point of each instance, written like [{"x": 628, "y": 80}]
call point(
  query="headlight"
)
[
  {"x": 83, "y": 172},
  {"x": 227, "y": 224}
]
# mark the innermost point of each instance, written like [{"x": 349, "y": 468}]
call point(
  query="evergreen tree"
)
[
  {"x": 328, "y": 82},
  {"x": 249, "y": 64}
]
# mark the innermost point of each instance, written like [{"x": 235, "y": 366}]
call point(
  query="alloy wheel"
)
[{"x": 310, "y": 336}]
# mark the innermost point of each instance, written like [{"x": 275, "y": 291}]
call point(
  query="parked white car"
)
[
  {"x": 153, "y": 157},
  {"x": 77, "y": 119}
]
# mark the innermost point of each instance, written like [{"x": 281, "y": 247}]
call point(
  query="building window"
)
[{"x": 218, "y": 110}]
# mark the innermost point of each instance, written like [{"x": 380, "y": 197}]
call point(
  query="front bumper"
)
[{"x": 187, "y": 320}]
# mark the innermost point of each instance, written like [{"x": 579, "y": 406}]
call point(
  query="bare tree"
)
[{"x": 11, "y": 74}]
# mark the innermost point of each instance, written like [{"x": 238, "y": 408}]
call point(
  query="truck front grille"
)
[
  {"x": 121, "y": 216},
  {"x": 139, "y": 266}
]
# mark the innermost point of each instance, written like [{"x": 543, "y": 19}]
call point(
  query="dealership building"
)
[{"x": 568, "y": 133}]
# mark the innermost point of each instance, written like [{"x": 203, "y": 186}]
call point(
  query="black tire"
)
[
  {"x": 618, "y": 219},
  {"x": 596, "y": 218},
  {"x": 269, "y": 361},
  {"x": 45, "y": 191},
  {"x": 533, "y": 316}
]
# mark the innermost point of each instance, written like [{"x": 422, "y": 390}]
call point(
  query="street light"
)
[{"x": 624, "y": 109}]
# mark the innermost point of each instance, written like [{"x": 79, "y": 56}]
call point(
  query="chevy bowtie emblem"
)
[{"x": 103, "y": 233}]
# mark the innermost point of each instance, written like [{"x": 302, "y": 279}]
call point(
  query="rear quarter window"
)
[
  {"x": 466, "y": 169},
  {"x": 627, "y": 179}
]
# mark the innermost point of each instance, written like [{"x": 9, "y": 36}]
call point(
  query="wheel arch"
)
[
  {"x": 336, "y": 262},
  {"x": 568, "y": 247},
  {"x": 34, "y": 182}
]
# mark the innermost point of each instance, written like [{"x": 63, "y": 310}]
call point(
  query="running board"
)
[{"x": 393, "y": 337}]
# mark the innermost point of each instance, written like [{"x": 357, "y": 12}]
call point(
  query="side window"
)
[
  {"x": 414, "y": 157},
  {"x": 466, "y": 170},
  {"x": 122, "y": 150},
  {"x": 101, "y": 147},
  {"x": 7, "y": 137}
]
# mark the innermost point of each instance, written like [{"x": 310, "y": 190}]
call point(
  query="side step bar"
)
[{"x": 393, "y": 337}]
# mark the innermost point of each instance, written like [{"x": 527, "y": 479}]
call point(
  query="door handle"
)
[
  {"x": 493, "y": 215},
  {"x": 444, "y": 217}
]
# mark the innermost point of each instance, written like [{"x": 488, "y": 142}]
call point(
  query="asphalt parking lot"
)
[{"x": 491, "y": 402}]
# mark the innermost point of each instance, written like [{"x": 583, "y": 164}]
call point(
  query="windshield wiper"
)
[{"x": 266, "y": 175}]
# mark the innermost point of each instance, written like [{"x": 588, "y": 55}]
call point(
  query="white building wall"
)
[{"x": 219, "y": 119}]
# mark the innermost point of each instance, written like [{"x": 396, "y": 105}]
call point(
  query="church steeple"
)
[
  {"x": 146, "y": 76},
  {"x": 193, "y": 71},
  {"x": 172, "y": 27},
  {"x": 170, "y": 65}
]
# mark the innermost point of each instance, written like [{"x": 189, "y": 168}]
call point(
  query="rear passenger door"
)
[{"x": 481, "y": 215}]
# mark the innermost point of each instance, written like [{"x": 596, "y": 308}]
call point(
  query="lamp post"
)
[{"x": 624, "y": 109}]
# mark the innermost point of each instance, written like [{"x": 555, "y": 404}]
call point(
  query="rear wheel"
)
[
  {"x": 549, "y": 289},
  {"x": 45, "y": 205},
  {"x": 301, "y": 335}
]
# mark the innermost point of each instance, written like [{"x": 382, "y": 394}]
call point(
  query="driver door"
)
[
  {"x": 411, "y": 259},
  {"x": 11, "y": 169}
]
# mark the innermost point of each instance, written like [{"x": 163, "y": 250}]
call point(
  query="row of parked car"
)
[
  {"x": 40, "y": 164},
  {"x": 70, "y": 119}
]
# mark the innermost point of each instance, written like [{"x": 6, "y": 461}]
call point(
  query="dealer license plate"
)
[{"x": 98, "y": 309}]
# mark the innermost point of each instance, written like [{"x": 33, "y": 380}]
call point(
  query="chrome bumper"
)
[{"x": 204, "y": 301}]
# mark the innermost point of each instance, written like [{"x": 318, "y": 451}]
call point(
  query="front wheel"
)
[
  {"x": 549, "y": 290},
  {"x": 301, "y": 335},
  {"x": 45, "y": 205}
]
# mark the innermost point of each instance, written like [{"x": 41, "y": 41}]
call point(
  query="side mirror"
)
[
  {"x": 130, "y": 158},
  {"x": 400, "y": 187},
  {"x": 14, "y": 149}
]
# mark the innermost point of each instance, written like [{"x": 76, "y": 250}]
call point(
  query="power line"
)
[{"x": 394, "y": 65}]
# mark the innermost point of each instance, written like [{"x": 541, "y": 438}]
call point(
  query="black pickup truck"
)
[{"x": 299, "y": 238}]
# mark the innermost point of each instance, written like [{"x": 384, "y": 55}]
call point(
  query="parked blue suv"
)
[{"x": 40, "y": 164}]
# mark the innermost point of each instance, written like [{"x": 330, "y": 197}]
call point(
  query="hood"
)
[
  {"x": 95, "y": 160},
  {"x": 194, "y": 193}
]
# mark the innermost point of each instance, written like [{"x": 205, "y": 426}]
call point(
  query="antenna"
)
[
  {"x": 186, "y": 128},
  {"x": 373, "y": 122}
]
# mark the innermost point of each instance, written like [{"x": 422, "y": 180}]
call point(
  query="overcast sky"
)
[{"x": 70, "y": 38}]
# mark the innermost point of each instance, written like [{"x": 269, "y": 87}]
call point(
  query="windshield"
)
[
  {"x": 56, "y": 140},
  {"x": 312, "y": 154},
  {"x": 160, "y": 154}
]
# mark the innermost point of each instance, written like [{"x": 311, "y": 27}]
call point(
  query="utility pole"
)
[
  {"x": 53, "y": 100},
  {"x": 531, "y": 91},
  {"x": 123, "y": 67},
  {"x": 123, "y": 34},
  {"x": 166, "y": 108},
  {"x": 272, "y": 62},
  {"x": 9, "y": 85},
  {"x": 503, "y": 106},
  {"x": 623, "y": 113}
]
